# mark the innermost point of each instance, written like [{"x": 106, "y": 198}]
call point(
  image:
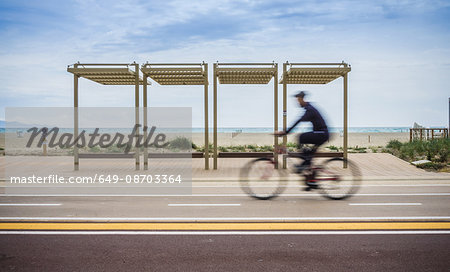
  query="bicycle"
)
[{"x": 264, "y": 178}]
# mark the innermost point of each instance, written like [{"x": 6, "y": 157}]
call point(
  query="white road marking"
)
[
  {"x": 384, "y": 204},
  {"x": 343, "y": 232},
  {"x": 301, "y": 186},
  {"x": 30, "y": 204},
  {"x": 201, "y": 205},
  {"x": 216, "y": 195},
  {"x": 221, "y": 219}
]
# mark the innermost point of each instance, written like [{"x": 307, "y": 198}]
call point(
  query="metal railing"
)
[{"x": 422, "y": 134}]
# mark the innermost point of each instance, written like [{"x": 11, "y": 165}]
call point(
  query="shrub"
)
[
  {"x": 436, "y": 151},
  {"x": 431, "y": 166},
  {"x": 252, "y": 147},
  {"x": 332, "y": 147},
  {"x": 180, "y": 143},
  {"x": 265, "y": 148},
  {"x": 394, "y": 144},
  {"x": 293, "y": 145},
  {"x": 407, "y": 152},
  {"x": 94, "y": 149}
]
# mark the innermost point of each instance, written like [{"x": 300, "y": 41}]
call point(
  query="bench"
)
[
  {"x": 270, "y": 154},
  {"x": 195, "y": 155},
  {"x": 106, "y": 155}
]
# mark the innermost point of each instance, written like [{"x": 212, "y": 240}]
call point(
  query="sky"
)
[{"x": 399, "y": 52}]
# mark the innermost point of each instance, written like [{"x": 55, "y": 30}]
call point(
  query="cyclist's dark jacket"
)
[{"x": 311, "y": 115}]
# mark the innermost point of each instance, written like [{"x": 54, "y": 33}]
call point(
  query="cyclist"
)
[{"x": 317, "y": 137}]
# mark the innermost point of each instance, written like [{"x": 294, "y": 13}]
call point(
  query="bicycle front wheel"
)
[
  {"x": 261, "y": 179},
  {"x": 336, "y": 181}
]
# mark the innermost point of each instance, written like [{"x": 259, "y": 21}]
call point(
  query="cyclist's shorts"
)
[{"x": 314, "y": 137}]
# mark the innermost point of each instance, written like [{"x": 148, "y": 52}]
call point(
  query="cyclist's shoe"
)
[{"x": 310, "y": 185}]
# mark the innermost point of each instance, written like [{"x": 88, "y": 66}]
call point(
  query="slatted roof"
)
[
  {"x": 176, "y": 75},
  {"x": 107, "y": 75},
  {"x": 316, "y": 75},
  {"x": 247, "y": 75}
]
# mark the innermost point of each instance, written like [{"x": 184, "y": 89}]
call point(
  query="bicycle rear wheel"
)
[
  {"x": 260, "y": 179},
  {"x": 335, "y": 181}
]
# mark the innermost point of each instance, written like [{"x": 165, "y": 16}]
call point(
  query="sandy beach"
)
[
  {"x": 227, "y": 139},
  {"x": 354, "y": 139}
]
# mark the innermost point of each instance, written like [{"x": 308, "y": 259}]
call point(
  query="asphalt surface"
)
[
  {"x": 224, "y": 253},
  {"x": 425, "y": 201},
  {"x": 400, "y": 199}
]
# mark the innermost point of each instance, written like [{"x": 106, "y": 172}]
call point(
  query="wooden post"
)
[
  {"x": 44, "y": 147},
  {"x": 275, "y": 117},
  {"x": 136, "y": 111},
  {"x": 345, "y": 118},
  {"x": 75, "y": 121},
  {"x": 410, "y": 134},
  {"x": 144, "y": 97},
  {"x": 285, "y": 109},
  {"x": 206, "y": 150},
  {"x": 215, "y": 114}
]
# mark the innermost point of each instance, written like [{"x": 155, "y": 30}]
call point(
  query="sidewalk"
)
[{"x": 373, "y": 166}]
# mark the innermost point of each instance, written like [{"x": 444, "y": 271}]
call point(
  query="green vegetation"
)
[
  {"x": 333, "y": 148},
  {"x": 357, "y": 149},
  {"x": 180, "y": 143},
  {"x": 436, "y": 150}
]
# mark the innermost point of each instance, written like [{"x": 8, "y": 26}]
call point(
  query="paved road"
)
[
  {"x": 375, "y": 199},
  {"x": 326, "y": 234},
  {"x": 224, "y": 253}
]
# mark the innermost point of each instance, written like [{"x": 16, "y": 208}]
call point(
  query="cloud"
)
[{"x": 397, "y": 50}]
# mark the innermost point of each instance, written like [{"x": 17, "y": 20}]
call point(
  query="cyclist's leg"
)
[
  {"x": 308, "y": 138},
  {"x": 317, "y": 138}
]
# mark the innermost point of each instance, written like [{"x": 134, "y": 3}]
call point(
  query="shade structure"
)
[
  {"x": 244, "y": 73},
  {"x": 316, "y": 73},
  {"x": 106, "y": 74},
  {"x": 178, "y": 74},
  {"x": 321, "y": 75},
  {"x": 247, "y": 75}
]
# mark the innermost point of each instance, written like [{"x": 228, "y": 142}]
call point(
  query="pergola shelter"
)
[
  {"x": 244, "y": 73},
  {"x": 316, "y": 73},
  {"x": 105, "y": 74},
  {"x": 178, "y": 74}
]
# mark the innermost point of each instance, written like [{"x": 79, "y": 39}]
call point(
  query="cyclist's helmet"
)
[{"x": 301, "y": 94}]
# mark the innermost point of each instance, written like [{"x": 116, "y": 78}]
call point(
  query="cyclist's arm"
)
[
  {"x": 305, "y": 117},
  {"x": 293, "y": 126}
]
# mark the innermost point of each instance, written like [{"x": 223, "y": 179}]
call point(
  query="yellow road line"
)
[{"x": 228, "y": 226}]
